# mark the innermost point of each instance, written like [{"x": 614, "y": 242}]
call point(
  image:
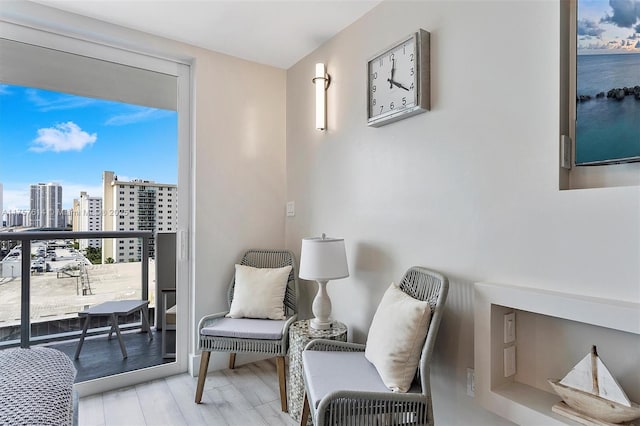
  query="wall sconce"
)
[{"x": 321, "y": 80}]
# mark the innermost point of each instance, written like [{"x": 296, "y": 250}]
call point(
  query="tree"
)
[
  {"x": 94, "y": 254},
  {"x": 109, "y": 260}
]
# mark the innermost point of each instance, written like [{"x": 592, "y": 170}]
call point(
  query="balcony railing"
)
[{"x": 25, "y": 238}]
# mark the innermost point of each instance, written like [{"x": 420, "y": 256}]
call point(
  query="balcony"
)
[{"x": 41, "y": 307}]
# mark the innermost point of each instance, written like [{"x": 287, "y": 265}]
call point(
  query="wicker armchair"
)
[
  {"x": 268, "y": 337},
  {"x": 361, "y": 397}
]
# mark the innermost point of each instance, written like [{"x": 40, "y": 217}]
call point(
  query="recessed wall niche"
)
[{"x": 553, "y": 332}]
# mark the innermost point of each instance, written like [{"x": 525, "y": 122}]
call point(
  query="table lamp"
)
[{"x": 322, "y": 259}]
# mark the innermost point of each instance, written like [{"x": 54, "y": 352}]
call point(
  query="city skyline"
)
[{"x": 48, "y": 136}]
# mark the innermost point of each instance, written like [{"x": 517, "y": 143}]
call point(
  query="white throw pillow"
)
[
  {"x": 259, "y": 292},
  {"x": 396, "y": 337}
]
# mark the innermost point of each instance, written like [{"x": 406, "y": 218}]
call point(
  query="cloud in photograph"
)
[
  {"x": 625, "y": 13},
  {"x": 607, "y": 26},
  {"x": 56, "y": 102},
  {"x": 137, "y": 115},
  {"x": 589, "y": 28},
  {"x": 63, "y": 137}
]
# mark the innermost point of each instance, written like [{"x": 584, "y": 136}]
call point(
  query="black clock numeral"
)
[
  {"x": 374, "y": 75},
  {"x": 373, "y": 102},
  {"x": 411, "y": 57},
  {"x": 404, "y": 101},
  {"x": 411, "y": 71},
  {"x": 391, "y": 105},
  {"x": 373, "y": 89},
  {"x": 391, "y": 57},
  {"x": 381, "y": 108},
  {"x": 411, "y": 87}
]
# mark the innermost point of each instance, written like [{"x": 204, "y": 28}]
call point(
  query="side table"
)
[{"x": 300, "y": 333}]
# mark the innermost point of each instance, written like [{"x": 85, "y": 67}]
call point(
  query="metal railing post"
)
[
  {"x": 25, "y": 312},
  {"x": 145, "y": 269}
]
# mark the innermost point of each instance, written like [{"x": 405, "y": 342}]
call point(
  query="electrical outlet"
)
[
  {"x": 471, "y": 382},
  {"x": 509, "y": 361},
  {"x": 291, "y": 208}
]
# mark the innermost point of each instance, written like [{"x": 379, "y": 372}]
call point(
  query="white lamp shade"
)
[{"x": 323, "y": 259}]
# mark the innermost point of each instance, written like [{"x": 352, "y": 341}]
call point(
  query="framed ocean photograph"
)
[{"x": 607, "y": 114}]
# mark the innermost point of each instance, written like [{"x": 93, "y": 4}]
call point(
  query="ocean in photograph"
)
[{"x": 607, "y": 123}]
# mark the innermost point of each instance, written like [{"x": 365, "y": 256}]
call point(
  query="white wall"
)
[
  {"x": 469, "y": 188},
  {"x": 240, "y": 172}
]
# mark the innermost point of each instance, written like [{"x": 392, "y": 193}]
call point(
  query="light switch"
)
[
  {"x": 291, "y": 208},
  {"x": 510, "y": 327},
  {"x": 509, "y": 361}
]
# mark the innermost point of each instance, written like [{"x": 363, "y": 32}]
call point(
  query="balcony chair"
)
[
  {"x": 342, "y": 385},
  {"x": 252, "y": 333}
]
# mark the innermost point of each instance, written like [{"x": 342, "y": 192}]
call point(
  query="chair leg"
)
[
  {"x": 202, "y": 375},
  {"x": 304, "y": 417},
  {"x": 283, "y": 383},
  {"x": 232, "y": 360}
]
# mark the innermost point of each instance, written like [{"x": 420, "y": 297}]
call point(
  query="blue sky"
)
[
  {"x": 55, "y": 137},
  {"x": 608, "y": 26}
]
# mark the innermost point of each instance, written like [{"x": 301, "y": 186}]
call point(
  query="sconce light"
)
[{"x": 321, "y": 80}]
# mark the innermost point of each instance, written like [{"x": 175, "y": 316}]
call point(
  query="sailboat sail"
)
[{"x": 582, "y": 377}]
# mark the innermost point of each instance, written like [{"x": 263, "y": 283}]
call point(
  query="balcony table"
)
[{"x": 113, "y": 310}]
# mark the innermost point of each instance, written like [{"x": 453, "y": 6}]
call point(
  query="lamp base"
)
[{"x": 320, "y": 325}]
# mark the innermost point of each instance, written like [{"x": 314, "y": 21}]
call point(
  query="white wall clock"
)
[{"x": 398, "y": 80}]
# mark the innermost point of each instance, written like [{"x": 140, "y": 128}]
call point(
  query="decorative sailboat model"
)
[{"x": 592, "y": 396}]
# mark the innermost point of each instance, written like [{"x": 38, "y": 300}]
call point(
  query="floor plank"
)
[
  {"x": 91, "y": 411},
  {"x": 245, "y": 396},
  {"x": 182, "y": 388},
  {"x": 122, "y": 408},
  {"x": 158, "y": 404}
]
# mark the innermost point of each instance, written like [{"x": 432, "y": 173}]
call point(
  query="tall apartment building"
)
[
  {"x": 46, "y": 206},
  {"x": 87, "y": 216},
  {"x": 136, "y": 205},
  {"x": 1, "y": 208},
  {"x": 16, "y": 218}
]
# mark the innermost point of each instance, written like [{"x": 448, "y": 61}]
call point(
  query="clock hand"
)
[
  {"x": 395, "y": 83},
  {"x": 393, "y": 69}
]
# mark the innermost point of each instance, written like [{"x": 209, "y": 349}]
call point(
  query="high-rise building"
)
[
  {"x": 136, "y": 205},
  {"x": 87, "y": 216},
  {"x": 1, "y": 208},
  {"x": 17, "y": 218},
  {"x": 46, "y": 206}
]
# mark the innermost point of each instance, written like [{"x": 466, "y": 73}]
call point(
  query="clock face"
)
[
  {"x": 398, "y": 80},
  {"x": 392, "y": 80}
]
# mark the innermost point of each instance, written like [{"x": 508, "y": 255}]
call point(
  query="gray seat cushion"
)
[
  {"x": 326, "y": 372},
  {"x": 245, "y": 328}
]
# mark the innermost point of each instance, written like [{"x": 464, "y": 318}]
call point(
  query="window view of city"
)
[{"x": 73, "y": 164}]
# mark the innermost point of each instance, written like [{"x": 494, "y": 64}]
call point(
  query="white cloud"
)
[
  {"x": 139, "y": 114},
  {"x": 58, "y": 102},
  {"x": 63, "y": 137}
]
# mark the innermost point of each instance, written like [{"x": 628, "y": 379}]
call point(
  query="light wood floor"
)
[{"x": 245, "y": 396}]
